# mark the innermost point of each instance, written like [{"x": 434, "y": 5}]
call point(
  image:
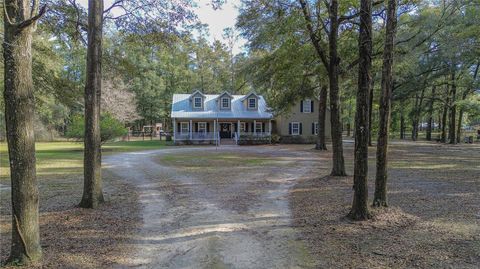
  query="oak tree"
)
[{"x": 20, "y": 18}]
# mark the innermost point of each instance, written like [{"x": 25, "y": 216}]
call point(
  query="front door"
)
[{"x": 225, "y": 131}]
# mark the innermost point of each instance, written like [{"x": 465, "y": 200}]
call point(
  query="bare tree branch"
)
[
  {"x": 114, "y": 5},
  {"x": 26, "y": 23},
  {"x": 313, "y": 36}
]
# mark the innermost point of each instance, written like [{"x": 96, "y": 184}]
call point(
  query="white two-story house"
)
[{"x": 211, "y": 118}]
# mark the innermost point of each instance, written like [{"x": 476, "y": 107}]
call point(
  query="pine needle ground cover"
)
[
  {"x": 73, "y": 237},
  {"x": 433, "y": 218}
]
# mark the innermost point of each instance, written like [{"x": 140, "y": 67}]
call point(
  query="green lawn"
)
[
  {"x": 66, "y": 158},
  {"x": 212, "y": 161}
]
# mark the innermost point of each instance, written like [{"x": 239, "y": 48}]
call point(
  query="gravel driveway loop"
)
[{"x": 189, "y": 222}]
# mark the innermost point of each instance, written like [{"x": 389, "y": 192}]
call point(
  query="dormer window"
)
[
  {"x": 197, "y": 98},
  {"x": 252, "y": 103},
  {"x": 197, "y": 102},
  {"x": 225, "y": 103}
]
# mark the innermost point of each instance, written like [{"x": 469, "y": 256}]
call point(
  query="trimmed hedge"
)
[
  {"x": 253, "y": 140},
  {"x": 194, "y": 142}
]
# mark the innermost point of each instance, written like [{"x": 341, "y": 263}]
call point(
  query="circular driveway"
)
[{"x": 204, "y": 207}]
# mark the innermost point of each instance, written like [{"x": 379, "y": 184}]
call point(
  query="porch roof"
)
[{"x": 182, "y": 108}]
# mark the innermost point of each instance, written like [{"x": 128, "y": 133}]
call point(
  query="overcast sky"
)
[{"x": 217, "y": 20}]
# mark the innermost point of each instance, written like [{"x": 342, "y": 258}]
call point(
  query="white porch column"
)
[
  {"x": 238, "y": 129},
  {"x": 270, "y": 130},
  {"x": 190, "y": 129},
  {"x": 174, "y": 130},
  {"x": 215, "y": 130},
  {"x": 254, "y": 127},
  {"x": 218, "y": 133}
]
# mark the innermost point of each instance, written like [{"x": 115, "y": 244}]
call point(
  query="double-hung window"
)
[
  {"x": 258, "y": 127},
  {"x": 307, "y": 106},
  {"x": 252, "y": 103},
  {"x": 225, "y": 102},
  {"x": 202, "y": 127},
  {"x": 295, "y": 128},
  {"x": 197, "y": 102},
  {"x": 243, "y": 127},
  {"x": 184, "y": 127}
]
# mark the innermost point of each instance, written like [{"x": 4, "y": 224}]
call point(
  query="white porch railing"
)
[
  {"x": 212, "y": 136},
  {"x": 236, "y": 138},
  {"x": 195, "y": 136},
  {"x": 256, "y": 134}
]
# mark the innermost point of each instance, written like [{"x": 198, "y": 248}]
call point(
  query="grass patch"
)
[
  {"x": 66, "y": 158},
  {"x": 194, "y": 160}
]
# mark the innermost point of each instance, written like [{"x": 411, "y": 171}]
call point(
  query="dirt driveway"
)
[{"x": 209, "y": 208}]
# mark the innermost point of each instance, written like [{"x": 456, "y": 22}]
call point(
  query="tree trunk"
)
[
  {"x": 19, "y": 26},
  {"x": 453, "y": 109},
  {"x": 370, "y": 110},
  {"x": 459, "y": 126},
  {"x": 417, "y": 110},
  {"x": 430, "y": 115},
  {"x": 439, "y": 122},
  {"x": 380, "y": 196},
  {"x": 414, "y": 119},
  {"x": 322, "y": 110},
  {"x": 331, "y": 65},
  {"x": 402, "y": 125},
  {"x": 428, "y": 131},
  {"x": 338, "y": 168},
  {"x": 92, "y": 188},
  {"x": 349, "y": 124},
  {"x": 444, "y": 121},
  {"x": 359, "y": 209}
]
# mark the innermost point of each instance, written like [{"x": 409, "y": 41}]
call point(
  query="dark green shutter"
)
[
  {"x": 290, "y": 128},
  {"x": 311, "y": 106},
  {"x": 301, "y": 106},
  {"x": 300, "y": 128}
]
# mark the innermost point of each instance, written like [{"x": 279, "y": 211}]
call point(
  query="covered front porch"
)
[{"x": 216, "y": 131}]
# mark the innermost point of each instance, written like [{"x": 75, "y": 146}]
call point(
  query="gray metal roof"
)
[{"x": 182, "y": 108}]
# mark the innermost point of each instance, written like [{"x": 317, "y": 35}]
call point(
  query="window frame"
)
[
  {"x": 298, "y": 128},
  {"x": 222, "y": 103},
  {"x": 243, "y": 126},
  {"x": 195, "y": 102},
  {"x": 204, "y": 127},
  {"x": 261, "y": 127},
  {"x": 307, "y": 106},
  {"x": 182, "y": 127},
  {"x": 249, "y": 103}
]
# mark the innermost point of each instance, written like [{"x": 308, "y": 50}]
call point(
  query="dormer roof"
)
[
  {"x": 250, "y": 94},
  {"x": 197, "y": 92},
  {"x": 182, "y": 108},
  {"x": 225, "y": 93}
]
